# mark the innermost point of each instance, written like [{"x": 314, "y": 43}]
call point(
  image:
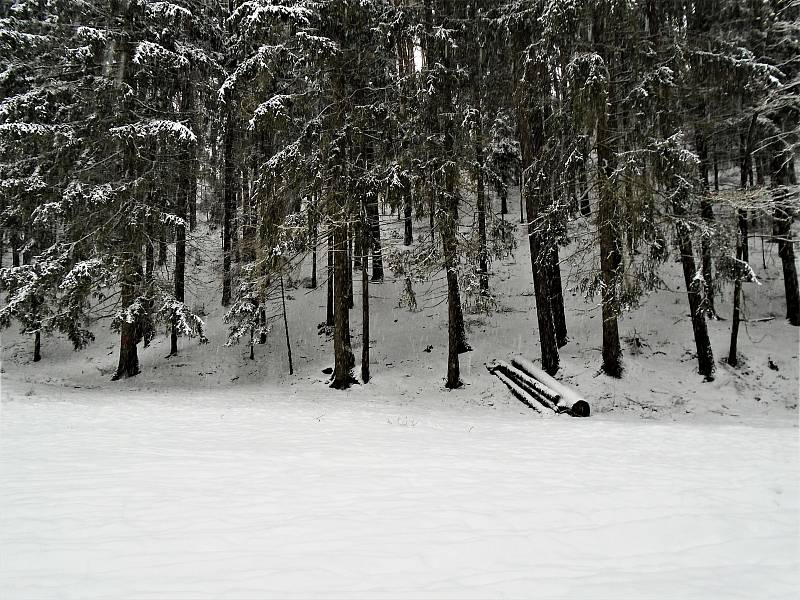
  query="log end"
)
[{"x": 580, "y": 409}]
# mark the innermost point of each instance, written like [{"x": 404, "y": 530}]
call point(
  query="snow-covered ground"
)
[
  {"x": 211, "y": 475},
  {"x": 258, "y": 493}
]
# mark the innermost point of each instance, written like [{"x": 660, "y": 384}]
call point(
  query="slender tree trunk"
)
[
  {"x": 314, "y": 241},
  {"x": 610, "y": 245},
  {"x": 37, "y": 336},
  {"x": 350, "y": 302},
  {"x": 742, "y": 254},
  {"x": 162, "y": 245},
  {"x": 180, "y": 269},
  {"x": 128, "y": 365},
  {"x": 707, "y": 212},
  {"x": 286, "y": 328},
  {"x": 365, "y": 375},
  {"x": 705, "y": 356},
  {"x": 375, "y": 227},
  {"x": 557, "y": 299},
  {"x": 783, "y": 230},
  {"x": 583, "y": 175},
  {"x": 408, "y": 227},
  {"x": 15, "y": 248},
  {"x": 329, "y": 320},
  {"x": 343, "y": 352},
  {"x": 228, "y": 208}
]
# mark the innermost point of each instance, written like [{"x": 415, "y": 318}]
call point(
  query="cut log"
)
[
  {"x": 569, "y": 399},
  {"x": 539, "y": 392},
  {"x": 515, "y": 390}
]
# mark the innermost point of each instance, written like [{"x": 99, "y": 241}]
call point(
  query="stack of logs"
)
[{"x": 537, "y": 389}]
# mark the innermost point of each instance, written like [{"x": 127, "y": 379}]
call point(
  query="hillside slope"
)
[{"x": 660, "y": 378}]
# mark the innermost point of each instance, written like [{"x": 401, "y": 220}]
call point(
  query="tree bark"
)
[
  {"x": 610, "y": 245},
  {"x": 343, "y": 352},
  {"x": 329, "y": 311},
  {"x": 365, "y": 246},
  {"x": 707, "y": 212},
  {"x": 286, "y": 328},
  {"x": 128, "y": 365},
  {"x": 229, "y": 200},
  {"x": 781, "y": 177}
]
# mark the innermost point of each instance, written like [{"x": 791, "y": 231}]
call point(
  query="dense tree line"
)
[{"x": 296, "y": 122}]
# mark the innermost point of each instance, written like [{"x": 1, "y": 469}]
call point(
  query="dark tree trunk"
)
[
  {"x": 608, "y": 218},
  {"x": 408, "y": 227},
  {"x": 14, "y": 248},
  {"x": 180, "y": 270},
  {"x": 37, "y": 346},
  {"x": 504, "y": 201},
  {"x": 707, "y": 212},
  {"x": 184, "y": 200},
  {"x": 343, "y": 352},
  {"x": 557, "y": 299},
  {"x": 329, "y": 311},
  {"x": 705, "y": 356},
  {"x": 350, "y": 303},
  {"x": 583, "y": 174},
  {"x": 531, "y": 132},
  {"x": 128, "y": 365},
  {"x": 781, "y": 177},
  {"x": 365, "y": 375},
  {"x": 162, "y": 245},
  {"x": 375, "y": 230},
  {"x": 312, "y": 220},
  {"x": 742, "y": 254},
  {"x": 286, "y": 329},
  {"x": 228, "y": 208}
]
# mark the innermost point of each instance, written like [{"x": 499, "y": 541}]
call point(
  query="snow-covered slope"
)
[{"x": 660, "y": 380}]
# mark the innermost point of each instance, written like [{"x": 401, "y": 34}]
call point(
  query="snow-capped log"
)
[
  {"x": 542, "y": 394},
  {"x": 516, "y": 391},
  {"x": 569, "y": 399}
]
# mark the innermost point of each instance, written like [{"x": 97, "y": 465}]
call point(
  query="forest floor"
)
[{"x": 211, "y": 475}]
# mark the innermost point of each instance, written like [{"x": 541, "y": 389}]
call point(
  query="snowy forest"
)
[
  {"x": 292, "y": 127},
  {"x": 297, "y": 298}
]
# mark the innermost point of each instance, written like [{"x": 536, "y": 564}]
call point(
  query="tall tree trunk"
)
[
  {"x": 15, "y": 248},
  {"x": 187, "y": 191},
  {"x": 329, "y": 310},
  {"x": 608, "y": 218},
  {"x": 449, "y": 219},
  {"x": 583, "y": 177},
  {"x": 781, "y": 177},
  {"x": 128, "y": 365},
  {"x": 365, "y": 247},
  {"x": 375, "y": 227},
  {"x": 228, "y": 208},
  {"x": 557, "y": 298},
  {"x": 37, "y": 336},
  {"x": 180, "y": 269},
  {"x": 350, "y": 303},
  {"x": 705, "y": 356},
  {"x": 286, "y": 328},
  {"x": 707, "y": 212},
  {"x": 408, "y": 227},
  {"x": 344, "y": 361},
  {"x": 312, "y": 220},
  {"x": 742, "y": 254}
]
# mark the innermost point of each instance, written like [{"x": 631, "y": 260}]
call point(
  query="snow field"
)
[{"x": 258, "y": 493}]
